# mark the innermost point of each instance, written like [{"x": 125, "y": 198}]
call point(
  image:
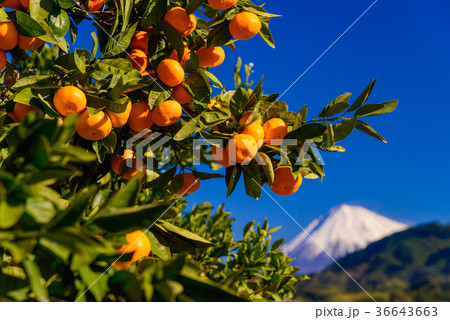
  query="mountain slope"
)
[
  {"x": 412, "y": 265},
  {"x": 343, "y": 230}
]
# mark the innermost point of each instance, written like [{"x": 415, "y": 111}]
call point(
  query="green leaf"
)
[
  {"x": 75, "y": 209},
  {"x": 197, "y": 85},
  {"x": 36, "y": 280},
  {"x": 201, "y": 122},
  {"x": 193, "y": 5},
  {"x": 94, "y": 45},
  {"x": 162, "y": 181},
  {"x": 33, "y": 81},
  {"x": 59, "y": 22},
  {"x": 307, "y": 131},
  {"x": 126, "y": 7},
  {"x": 154, "y": 11},
  {"x": 329, "y": 135},
  {"x": 363, "y": 97},
  {"x": 266, "y": 35},
  {"x": 40, "y": 9},
  {"x": 186, "y": 235},
  {"x": 27, "y": 26},
  {"x": 119, "y": 43},
  {"x": 95, "y": 281},
  {"x": 376, "y": 109},
  {"x": 342, "y": 130},
  {"x": 113, "y": 66},
  {"x": 267, "y": 166},
  {"x": 158, "y": 249},
  {"x": 174, "y": 38},
  {"x": 40, "y": 209},
  {"x": 232, "y": 178},
  {"x": 252, "y": 181},
  {"x": 364, "y": 127},
  {"x": 336, "y": 106},
  {"x": 207, "y": 176},
  {"x": 66, "y": 4},
  {"x": 219, "y": 36},
  {"x": 158, "y": 94}
]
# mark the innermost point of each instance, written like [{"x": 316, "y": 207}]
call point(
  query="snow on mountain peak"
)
[{"x": 345, "y": 229}]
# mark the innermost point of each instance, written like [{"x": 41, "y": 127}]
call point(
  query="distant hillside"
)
[{"x": 412, "y": 265}]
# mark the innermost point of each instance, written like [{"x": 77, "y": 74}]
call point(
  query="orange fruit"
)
[
  {"x": 25, "y": 3},
  {"x": 245, "y": 117},
  {"x": 117, "y": 164},
  {"x": 94, "y": 5},
  {"x": 93, "y": 128},
  {"x": 221, "y": 156},
  {"x": 190, "y": 184},
  {"x": 275, "y": 129},
  {"x": 186, "y": 55},
  {"x": 119, "y": 119},
  {"x": 245, "y": 25},
  {"x": 242, "y": 148},
  {"x": 180, "y": 95},
  {"x": 222, "y": 4},
  {"x": 21, "y": 110},
  {"x": 140, "y": 116},
  {"x": 12, "y": 4},
  {"x": 170, "y": 72},
  {"x": 137, "y": 242},
  {"x": 29, "y": 43},
  {"x": 256, "y": 131},
  {"x": 8, "y": 35},
  {"x": 69, "y": 100},
  {"x": 13, "y": 117},
  {"x": 192, "y": 25},
  {"x": 177, "y": 18},
  {"x": 137, "y": 167},
  {"x": 167, "y": 113},
  {"x": 210, "y": 57},
  {"x": 284, "y": 183},
  {"x": 132, "y": 173},
  {"x": 138, "y": 59},
  {"x": 140, "y": 41},
  {"x": 2, "y": 59}
]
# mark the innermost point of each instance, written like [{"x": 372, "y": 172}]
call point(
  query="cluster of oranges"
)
[
  {"x": 243, "y": 147},
  {"x": 10, "y": 37}
]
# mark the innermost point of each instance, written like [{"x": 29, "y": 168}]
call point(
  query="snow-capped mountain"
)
[{"x": 343, "y": 230}]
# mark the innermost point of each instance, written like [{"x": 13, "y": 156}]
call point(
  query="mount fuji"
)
[{"x": 345, "y": 229}]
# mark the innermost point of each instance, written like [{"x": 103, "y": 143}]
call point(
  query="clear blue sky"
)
[{"x": 407, "y": 46}]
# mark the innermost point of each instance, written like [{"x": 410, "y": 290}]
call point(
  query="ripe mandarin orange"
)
[
  {"x": 8, "y": 35},
  {"x": 119, "y": 119},
  {"x": 186, "y": 55},
  {"x": 21, "y": 110},
  {"x": 221, "y": 156},
  {"x": 222, "y": 4},
  {"x": 138, "y": 59},
  {"x": 29, "y": 43},
  {"x": 170, "y": 72},
  {"x": 256, "y": 131},
  {"x": 94, "y": 5},
  {"x": 177, "y": 18},
  {"x": 140, "y": 116},
  {"x": 245, "y": 25},
  {"x": 2, "y": 59},
  {"x": 167, "y": 113},
  {"x": 242, "y": 148},
  {"x": 275, "y": 129},
  {"x": 95, "y": 127},
  {"x": 180, "y": 95},
  {"x": 137, "y": 242},
  {"x": 69, "y": 100},
  {"x": 117, "y": 164},
  {"x": 25, "y": 4},
  {"x": 140, "y": 41},
  {"x": 190, "y": 184},
  {"x": 245, "y": 116},
  {"x": 210, "y": 57},
  {"x": 192, "y": 25},
  {"x": 12, "y": 4},
  {"x": 13, "y": 116},
  {"x": 284, "y": 183}
]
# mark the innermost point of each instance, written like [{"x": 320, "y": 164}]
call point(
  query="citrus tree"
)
[{"x": 99, "y": 148}]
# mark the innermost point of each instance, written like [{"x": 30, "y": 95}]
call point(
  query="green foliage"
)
[{"x": 411, "y": 265}]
